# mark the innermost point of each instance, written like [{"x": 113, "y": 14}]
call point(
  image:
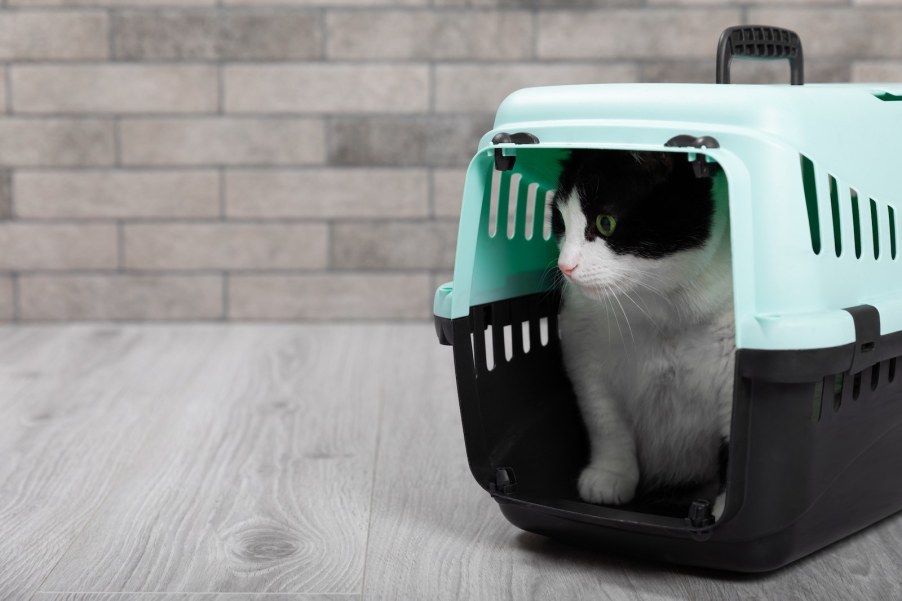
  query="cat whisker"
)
[
  {"x": 631, "y": 299},
  {"x": 622, "y": 310},
  {"x": 608, "y": 295}
]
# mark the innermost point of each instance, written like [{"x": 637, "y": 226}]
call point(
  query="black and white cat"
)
[{"x": 647, "y": 320}]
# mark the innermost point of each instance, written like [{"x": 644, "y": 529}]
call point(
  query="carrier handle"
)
[{"x": 760, "y": 42}]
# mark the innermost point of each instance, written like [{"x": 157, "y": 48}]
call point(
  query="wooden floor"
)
[{"x": 274, "y": 462}]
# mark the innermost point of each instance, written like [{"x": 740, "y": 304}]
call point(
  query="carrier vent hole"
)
[
  {"x": 891, "y": 370},
  {"x": 892, "y": 232},
  {"x": 546, "y": 222},
  {"x": 817, "y": 401},
  {"x": 875, "y": 230},
  {"x": 494, "y": 194},
  {"x": 529, "y": 227},
  {"x": 875, "y": 376},
  {"x": 837, "y": 391},
  {"x": 489, "y": 349},
  {"x": 856, "y": 386},
  {"x": 512, "y": 199},
  {"x": 525, "y": 328},
  {"x": 834, "y": 210},
  {"x": 508, "y": 343},
  {"x": 810, "y": 185},
  {"x": 856, "y": 222},
  {"x": 543, "y": 331}
]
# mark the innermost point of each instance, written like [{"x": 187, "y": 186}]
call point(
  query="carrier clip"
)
[
  {"x": 867, "y": 336},
  {"x": 506, "y": 162},
  {"x": 700, "y": 165},
  {"x": 505, "y": 481}
]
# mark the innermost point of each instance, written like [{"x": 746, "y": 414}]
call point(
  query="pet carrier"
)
[{"x": 812, "y": 178}]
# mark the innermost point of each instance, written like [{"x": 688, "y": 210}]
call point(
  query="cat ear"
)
[
  {"x": 658, "y": 164},
  {"x": 666, "y": 159}
]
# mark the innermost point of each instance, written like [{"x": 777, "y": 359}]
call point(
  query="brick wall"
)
[{"x": 303, "y": 159}]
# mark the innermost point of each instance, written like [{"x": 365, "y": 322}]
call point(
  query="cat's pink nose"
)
[{"x": 567, "y": 268}]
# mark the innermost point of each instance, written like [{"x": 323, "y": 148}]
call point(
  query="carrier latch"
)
[
  {"x": 506, "y": 162},
  {"x": 700, "y": 164},
  {"x": 505, "y": 481},
  {"x": 867, "y": 336}
]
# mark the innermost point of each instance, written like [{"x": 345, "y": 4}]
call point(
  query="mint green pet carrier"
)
[{"x": 814, "y": 180}]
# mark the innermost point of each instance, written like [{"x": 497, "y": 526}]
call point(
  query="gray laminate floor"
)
[{"x": 279, "y": 462}]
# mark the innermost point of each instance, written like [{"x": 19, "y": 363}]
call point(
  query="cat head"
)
[{"x": 629, "y": 221}]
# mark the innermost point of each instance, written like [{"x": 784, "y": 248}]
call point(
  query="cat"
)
[{"x": 646, "y": 324}]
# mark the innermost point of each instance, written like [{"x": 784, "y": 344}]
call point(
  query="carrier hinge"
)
[
  {"x": 505, "y": 481},
  {"x": 700, "y": 164},
  {"x": 506, "y": 162},
  {"x": 867, "y": 336}
]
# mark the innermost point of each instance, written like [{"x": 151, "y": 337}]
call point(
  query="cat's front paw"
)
[
  {"x": 719, "y": 503},
  {"x": 608, "y": 484}
]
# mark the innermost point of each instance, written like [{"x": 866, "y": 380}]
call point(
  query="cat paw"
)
[
  {"x": 607, "y": 485},
  {"x": 719, "y": 503}
]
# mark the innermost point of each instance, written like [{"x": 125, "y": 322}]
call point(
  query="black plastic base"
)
[{"x": 814, "y": 452}]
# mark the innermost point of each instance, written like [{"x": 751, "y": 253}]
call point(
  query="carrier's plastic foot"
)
[
  {"x": 700, "y": 514},
  {"x": 505, "y": 481}
]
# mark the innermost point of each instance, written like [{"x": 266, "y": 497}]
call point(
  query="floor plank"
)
[
  {"x": 437, "y": 535},
  {"x": 311, "y": 462},
  {"x": 191, "y": 597},
  {"x": 441, "y": 534},
  {"x": 64, "y": 431},
  {"x": 256, "y": 478}
]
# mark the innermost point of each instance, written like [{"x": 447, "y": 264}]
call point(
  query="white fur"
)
[{"x": 648, "y": 345}]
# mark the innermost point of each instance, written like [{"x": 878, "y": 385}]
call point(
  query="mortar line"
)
[
  {"x": 220, "y": 88},
  {"x": 430, "y": 191},
  {"x": 16, "y": 297},
  {"x": 8, "y": 93},
  {"x": 225, "y": 296},
  {"x": 222, "y": 194},
  {"x": 110, "y": 35},
  {"x": 120, "y": 246},
  {"x": 117, "y": 142}
]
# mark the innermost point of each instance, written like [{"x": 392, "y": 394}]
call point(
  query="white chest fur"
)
[{"x": 666, "y": 374}]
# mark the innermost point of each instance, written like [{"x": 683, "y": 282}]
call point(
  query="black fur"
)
[{"x": 660, "y": 206}]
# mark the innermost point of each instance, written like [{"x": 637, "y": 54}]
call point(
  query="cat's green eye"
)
[{"x": 605, "y": 224}]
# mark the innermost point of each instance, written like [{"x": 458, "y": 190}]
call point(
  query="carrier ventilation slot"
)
[
  {"x": 494, "y": 193},
  {"x": 892, "y": 231},
  {"x": 514, "y": 207},
  {"x": 488, "y": 339},
  {"x": 837, "y": 391},
  {"x": 810, "y": 186},
  {"x": 505, "y": 330},
  {"x": 856, "y": 223},
  {"x": 529, "y": 227},
  {"x": 817, "y": 402},
  {"x": 834, "y": 210},
  {"x": 513, "y": 197},
  {"x": 875, "y": 230},
  {"x": 879, "y": 377},
  {"x": 546, "y": 221},
  {"x": 859, "y": 213}
]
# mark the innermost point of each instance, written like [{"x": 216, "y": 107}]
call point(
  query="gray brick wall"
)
[{"x": 304, "y": 159}]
